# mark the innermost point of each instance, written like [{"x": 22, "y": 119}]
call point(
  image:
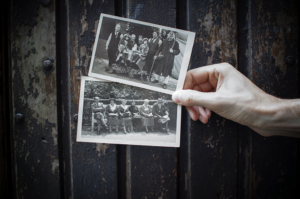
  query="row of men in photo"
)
[
  {"x": 130, "y": 117},
  {"x": 153, "y": 55}
]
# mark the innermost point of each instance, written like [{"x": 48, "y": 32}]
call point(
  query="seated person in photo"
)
[
  {"x": 132, "y": 49},
  {"x": 137, "y": 120},
  {"x": 143, "y": 51},
  {"x": 125, "y": 117},
  {"x": 112, "y": 111},
  {"x": 146, "y": 113},
  {"x": 99, "y": 113},
  {"x": 123, "y": 50},
  {"x": 160, "y": 110}
]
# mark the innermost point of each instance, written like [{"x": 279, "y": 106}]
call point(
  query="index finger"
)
[{"x": 200, "y": 77}]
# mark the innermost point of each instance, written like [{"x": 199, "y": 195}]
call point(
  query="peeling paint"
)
[
  {"x": 102, "y": 148},
  {"x": 54, "y": 135},
  {"x": 54, "y": 165}
]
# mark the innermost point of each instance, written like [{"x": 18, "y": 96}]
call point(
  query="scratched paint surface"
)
[
  {"x": 93, "y": 165},
  {"x": 34, "y": 95},
  {"x": 269, "y": 168},
  {"x": 213, "y": 146}
]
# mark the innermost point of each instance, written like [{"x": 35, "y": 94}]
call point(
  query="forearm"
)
[{"x": 283, "y": 119}]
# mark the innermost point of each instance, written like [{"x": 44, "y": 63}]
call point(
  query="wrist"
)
[{"x": 279, "y": 117}]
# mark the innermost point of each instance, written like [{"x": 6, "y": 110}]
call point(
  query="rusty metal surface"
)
[
  {"x": 268, "y": 166},
  {"x": 213, "y": 146},
  {"x": 34, "y": 142},
  {"x": 94, "y": 166}
]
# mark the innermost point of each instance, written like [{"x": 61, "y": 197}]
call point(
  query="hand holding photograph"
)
[
  {"x": 141, "y": 54},
  {"x": 115, "y": 113}
]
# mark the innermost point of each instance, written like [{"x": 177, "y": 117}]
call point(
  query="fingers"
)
[
  {"x": 203, "y": 117},
  {"x": 197, "y": 112},
  {"x": 205, "y": 75},
  {"x": 195, "y": 98}
]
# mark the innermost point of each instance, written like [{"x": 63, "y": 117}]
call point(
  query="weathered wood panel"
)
[
  {"x": 268, "y": 166},
  {"x": 6, "y": 190},
  {"x": 153, "y": 170},
  {"x": 94, "y": 166},
  {"x": 35, "y": 163},
  {"x": 213, "y": 146}
]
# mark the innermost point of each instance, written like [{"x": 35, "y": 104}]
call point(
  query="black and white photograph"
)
[
  {"x": 141, "y": 54},
  {"x": 111, "y": 112}
]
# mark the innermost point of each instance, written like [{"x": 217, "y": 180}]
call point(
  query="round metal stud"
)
[
  {"x": 19, "y": 117},
  {"x": 290, "y": 61},
  {"x": 47, "y": 65}
]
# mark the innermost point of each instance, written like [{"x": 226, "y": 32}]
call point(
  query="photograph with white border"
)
[
  {"x": 141, "y": 54},
  {"x": 115, "y": 113}
]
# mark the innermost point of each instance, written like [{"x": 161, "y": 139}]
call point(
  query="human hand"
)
[
  {"x": 171, "y": 50},
  {"x": 155, "y": 57},
  {"x": 106, "y": 48},
  {"x": 224, "y": 90}
]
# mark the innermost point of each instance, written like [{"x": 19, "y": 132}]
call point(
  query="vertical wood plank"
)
[
  {"x": 35, "y": 164},
  {"x": 213, "y": 146},
  {"x": 153, "y": 169},
  {"x": 94, "y": 166},
  {"x": 268, "y": 166},
  {"x": 6, "y": 190}
]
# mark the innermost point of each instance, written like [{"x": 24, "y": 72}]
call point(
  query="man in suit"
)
[
  {"x": 161, "y": 112},
  {"x": 153, "y": 44},
  {"x": 112, "y": 44}
]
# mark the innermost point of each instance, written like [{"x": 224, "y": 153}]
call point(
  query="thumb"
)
[{"x": 194, "y": 98}]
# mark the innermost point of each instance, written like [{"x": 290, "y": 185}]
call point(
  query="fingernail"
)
[{"x": 176, "y": 97}]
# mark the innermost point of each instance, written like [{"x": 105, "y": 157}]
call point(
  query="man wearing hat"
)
[
  {"x": 153, "y": 44},
  {"x": 99, "y": 112},
  {"x": 167, "y": 50},
  {"x": 161, "y": 112}
]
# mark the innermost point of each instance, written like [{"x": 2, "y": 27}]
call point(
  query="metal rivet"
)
[
  {"x": 75, "y": 118},
  {"x": 290, "y": 61},
  {"x": 48, "y": 64},
  {"x": 19, "y": 118}
]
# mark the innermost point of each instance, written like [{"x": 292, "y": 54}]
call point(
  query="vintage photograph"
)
[
  {"x": 111, "y": 112},
  {"x": 141, "y": 54}
]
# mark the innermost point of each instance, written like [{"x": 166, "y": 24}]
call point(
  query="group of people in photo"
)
[
  {"x": 155, "y": 56},
  {"x": 131, "y": 118}
]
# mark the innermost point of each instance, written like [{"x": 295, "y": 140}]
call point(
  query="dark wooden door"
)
[{"x": 40, "y": 157}]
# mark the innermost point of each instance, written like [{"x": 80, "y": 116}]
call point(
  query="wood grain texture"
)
[
  {"x": 213, "y": 146},
  {"x": 35, "y": 164},
  {"x": 268, "y": 166},
  {"x": 153, "y": 169},
  {"x": 94, "y": 166},
  {"x": 6, "y": 190}
]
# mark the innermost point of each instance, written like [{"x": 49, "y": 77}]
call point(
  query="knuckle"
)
[{"x": 188, "y": 98}]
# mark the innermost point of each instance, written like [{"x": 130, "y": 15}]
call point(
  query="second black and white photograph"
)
[
  {"x": 141, "y": 54},
  {"x": 111, "y": 112}
]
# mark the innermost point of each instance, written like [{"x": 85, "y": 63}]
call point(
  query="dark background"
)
[{"x": 40, "y": 158}]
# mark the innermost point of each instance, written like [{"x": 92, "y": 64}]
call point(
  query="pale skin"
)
[{"x": 223, "y": 89}]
